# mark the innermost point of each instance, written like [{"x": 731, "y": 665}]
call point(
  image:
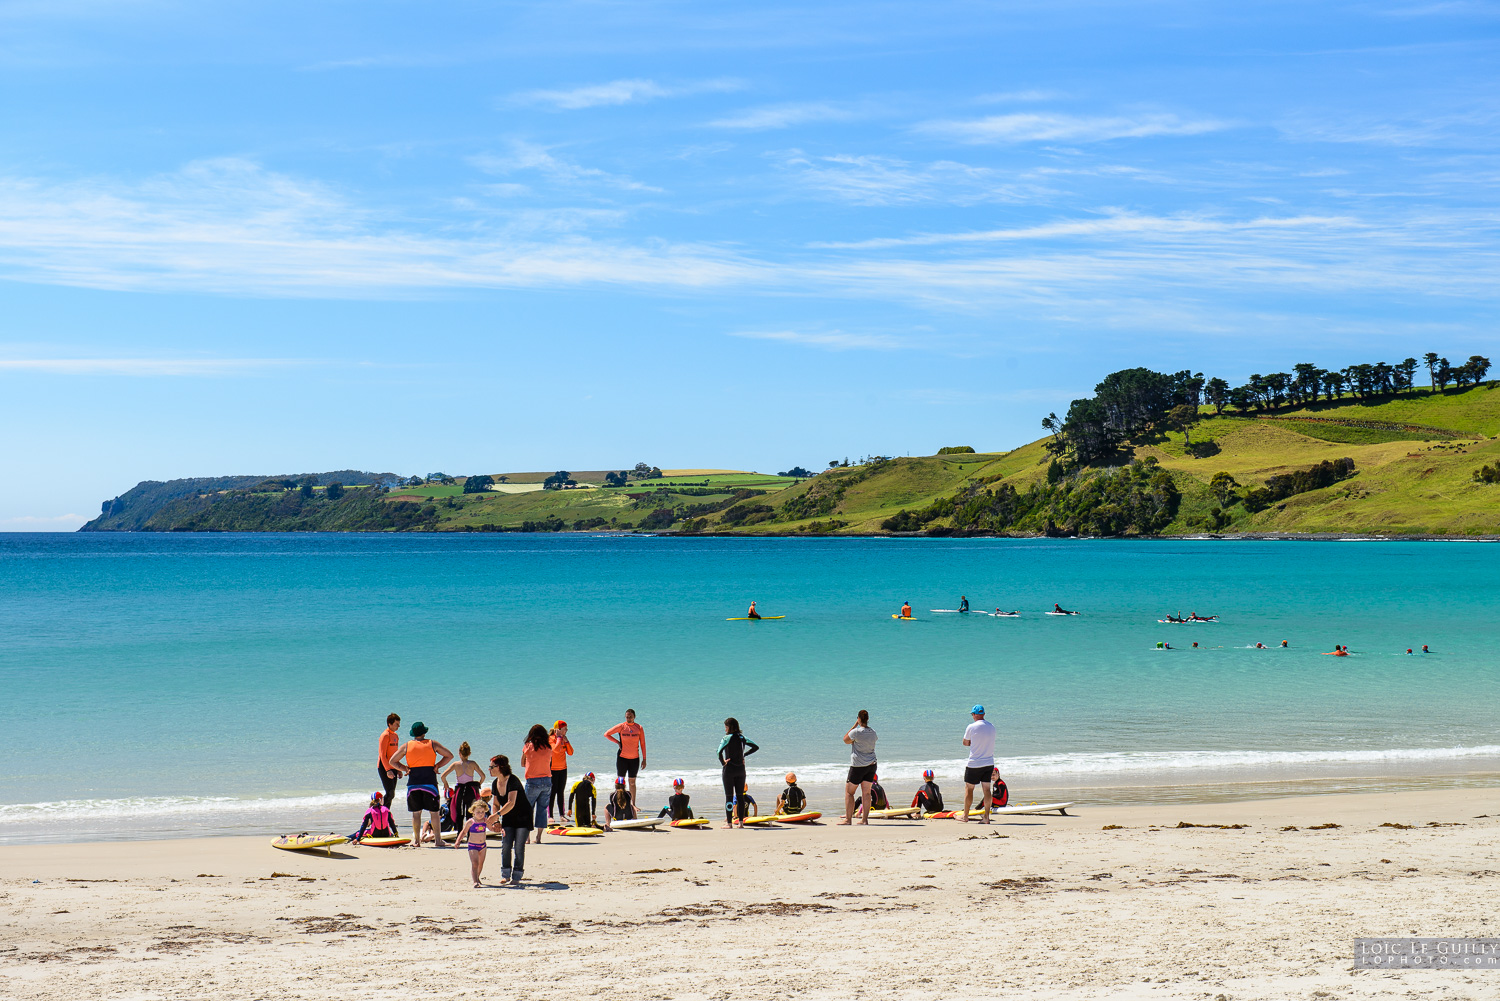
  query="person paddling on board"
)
[
  {"x": 963, "y": 603},
  {"x": 906, "y": 609},
  {"x": 752, "y": 614},
  {"x": 1061, "y": 610}
]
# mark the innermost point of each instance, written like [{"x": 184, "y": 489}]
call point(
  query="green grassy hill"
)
[{"x": 1414, "y": 462}]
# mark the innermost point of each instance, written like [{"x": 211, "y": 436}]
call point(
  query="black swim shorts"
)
[
  {"x": 627, "y": 766},
  {"x": 859, "y": 774},
  {"x": 422, "y": 799},
  {"x": 977, "y": 776}
]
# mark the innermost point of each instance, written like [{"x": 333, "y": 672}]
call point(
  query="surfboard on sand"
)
[
  {"x": 893, "y": 812},
  {"x": 797, "y": 818},
  {"x": 639, "y": 823},
  {"x": 694, "y": 822},
  {"x": 306, "y": 842},
  {"x": 768, "y": 818},
  {"x": 576, "y": 832},
  {"x": 384, "y": 842},
  {"x": 1061, "y": 809}
]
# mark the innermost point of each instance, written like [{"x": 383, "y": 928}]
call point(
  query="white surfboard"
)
[
  {"x": 1058, "y": 808},
  {"x": 638, "y": 824}
]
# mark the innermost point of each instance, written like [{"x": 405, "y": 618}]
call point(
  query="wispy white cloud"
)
[
  {"x": 781, "y": 116},
  {"x": 1108, "y": 226},
  {"x": 229, "y": 226},
  {"x": 1026, "y": 127},
  {"x": 144, "y": 366},
  {"x": 527, "y": 156},
  {"x": 618, "y": 92},
  {"x": 884, "y": 180},
  {"x": 833, "y": 340}
]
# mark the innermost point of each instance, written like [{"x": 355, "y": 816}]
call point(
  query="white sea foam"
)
[{"x": 1148, "y": 767}]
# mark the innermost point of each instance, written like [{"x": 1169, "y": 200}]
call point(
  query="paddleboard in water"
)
[
  {"x": 797, "y": 818},
  {"x": 908, "y": 618},
  {"x": 384, "y": 842},
  {"x": 576, "y": 832},
  {"x": 758, "y": 618},
  {"x": 303, "y": 842},
  {"x": 695, "y": 822},
  {"x": 1006, "y": 615},
  {"x": 638, "y": 824},
  {"x": 956, "y": 611},
  {"x": 1060, "y": 613},
  {"x": 904, "y": 811}
]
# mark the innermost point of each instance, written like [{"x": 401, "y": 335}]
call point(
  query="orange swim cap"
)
[{"x": 791, "y": 778}]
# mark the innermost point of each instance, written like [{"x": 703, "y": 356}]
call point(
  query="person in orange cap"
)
[{"x": 560, "y": 751}]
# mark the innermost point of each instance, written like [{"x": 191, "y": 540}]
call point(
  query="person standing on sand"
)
[
  {"x": 390, "y": 739},
  {"x": 629, "y": 739},
  {"x": 536, "y": 762},
  {"x": 514, "y": 814},
  {"x": 732, "y": 752},
  {"x": 560, "y": 751},
  {"x": 424, "y": 758},
  {"x": 861, "y": 741},
  {"x": 467, "y": 777},
  {"x": 979, "y": 738}
]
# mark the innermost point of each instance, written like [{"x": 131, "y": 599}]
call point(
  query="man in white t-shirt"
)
[{"x": 979, "y": 738}]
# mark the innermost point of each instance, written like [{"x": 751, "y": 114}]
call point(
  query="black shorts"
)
[
  {"x": 627, "y": 766},
  {"x": 418, "y": 800},
  {"x": 978, "y": 776},
  {"x": 860, "y": 774}
]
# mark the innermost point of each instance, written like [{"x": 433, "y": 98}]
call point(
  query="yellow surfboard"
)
[{"x": 306, "y": 842}]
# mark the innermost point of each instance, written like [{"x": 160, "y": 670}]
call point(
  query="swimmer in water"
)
[{"x": 1283, "y": 644}]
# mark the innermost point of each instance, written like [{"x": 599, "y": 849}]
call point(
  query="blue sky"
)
[{"x": 463, "y": 236}]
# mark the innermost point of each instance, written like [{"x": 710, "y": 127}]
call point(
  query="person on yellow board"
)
[
  {"x": 906, "y": 609},
  {"x": 752, "y": 614}
]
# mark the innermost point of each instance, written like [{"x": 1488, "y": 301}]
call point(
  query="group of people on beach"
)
[{"x": 521, "y": 806}]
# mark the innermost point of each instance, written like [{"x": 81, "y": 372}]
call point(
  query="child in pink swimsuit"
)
[{"x": 472, "y": 835}]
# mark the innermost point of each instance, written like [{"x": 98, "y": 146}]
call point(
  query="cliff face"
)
[{"x": 145, "y": 506}]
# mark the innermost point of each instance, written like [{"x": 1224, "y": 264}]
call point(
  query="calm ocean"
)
[{"x": 172, "y": 684}]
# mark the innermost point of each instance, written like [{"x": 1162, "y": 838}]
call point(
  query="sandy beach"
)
[{"x": 1116, "y": 902}]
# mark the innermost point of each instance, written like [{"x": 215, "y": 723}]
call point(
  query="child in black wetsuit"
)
[
  {"x": 582, "y": 801},
  {"x": 792, "y": 799},
  {"x": 878, "y": 798},
  {"x": 929, "y": 797},
  {"x": 619, "y": 806},
  {"x": 677, "y": 806}
]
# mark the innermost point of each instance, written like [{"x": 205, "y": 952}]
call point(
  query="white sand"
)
[{"x": 1033, "y": 907}]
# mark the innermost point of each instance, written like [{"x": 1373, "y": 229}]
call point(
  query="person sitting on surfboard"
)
[
  {"x": 999, "y": 791},
  {"x": 377, "y": 822},
  {"x": 619, "y": 805},
  {"x": 963, "y": 603},
  {"x": 582, "y": 801},
  {"x": 677, "y": 805},
  {"x": 906, "y": 610},
  {"x": 929, "y": 797},
  {"x": 792, "y": 799},
  {"x": 752, "y": 614}
]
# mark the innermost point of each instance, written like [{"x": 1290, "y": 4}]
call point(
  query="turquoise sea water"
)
[{"x": 159, "y": 684}]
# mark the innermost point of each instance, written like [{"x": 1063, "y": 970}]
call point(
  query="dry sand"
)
[{"x": 1033, "y": 907}]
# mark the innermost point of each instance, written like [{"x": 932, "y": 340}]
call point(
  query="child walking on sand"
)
[{"x": 473, "y": 838}]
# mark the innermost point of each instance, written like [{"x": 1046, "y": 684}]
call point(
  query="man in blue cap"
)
[{"x": 979, "y": 738}]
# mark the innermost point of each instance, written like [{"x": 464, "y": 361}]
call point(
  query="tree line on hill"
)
[{"x": 1136, "y": 406}]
